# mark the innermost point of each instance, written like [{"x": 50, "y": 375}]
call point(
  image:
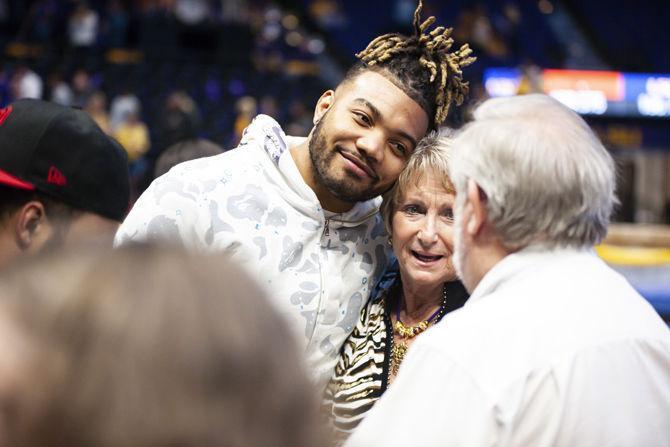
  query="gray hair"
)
[
  {"x": 431, "y": 156},
  {"x": 546, "y": 176}
]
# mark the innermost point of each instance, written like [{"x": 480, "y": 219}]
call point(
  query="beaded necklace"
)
[{"x": 399, "y": 349}]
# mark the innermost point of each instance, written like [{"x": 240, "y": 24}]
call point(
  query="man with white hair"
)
[{"x": 553, "y": 348}]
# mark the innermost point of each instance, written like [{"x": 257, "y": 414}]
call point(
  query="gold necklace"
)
[{"x": 399, "y": 349}]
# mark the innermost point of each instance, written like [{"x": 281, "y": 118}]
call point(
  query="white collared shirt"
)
[{"x": 554, "y": 348}]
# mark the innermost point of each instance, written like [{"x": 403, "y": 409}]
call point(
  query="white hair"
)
[{"x": 546, "y": 176}]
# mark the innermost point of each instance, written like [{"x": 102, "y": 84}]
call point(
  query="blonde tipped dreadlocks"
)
[{"x": 433, "y": 52}]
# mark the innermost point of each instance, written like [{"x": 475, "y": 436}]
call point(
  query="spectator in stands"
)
[
  {"x": 83, "y": 26},
  {"x": 61, "y": 178},
  {"x": 246, "y": 108},
  {"x": 553, "y": 346},
  {"x": 148, "y": 347},
  {"x": 303, "y": 212},
  {"x": 116, "y": 24},
  {"x": 41, "y": 22},
  {"x": 192, "y": 12},
  {"x": 96, "y": 107},
  {"x": 179, "y": 121},
  {"x": 25, "y": 83},
  {"x": 122, "y": 105},
  {"x": 133, "y": 135},
  {"x": 184, "y": 151},
  {"x": 59, "y": 90},
  {"x": 82, "y": 87},
  {"x": 300, "y": 120}
]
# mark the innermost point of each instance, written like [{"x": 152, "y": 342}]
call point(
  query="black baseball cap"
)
[{"x": 61, "y": 152}]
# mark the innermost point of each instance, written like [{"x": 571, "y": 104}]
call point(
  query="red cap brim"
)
[{"x": 10, "y": 180}]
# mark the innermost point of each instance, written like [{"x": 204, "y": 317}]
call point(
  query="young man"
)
[
  {"x": 304, "y": 220},
  {"x": 553, "y": 348},
  {"x": 61, "y": 179}
]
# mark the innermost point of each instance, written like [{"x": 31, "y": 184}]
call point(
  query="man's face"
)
[{"x": 363, "y": 140}]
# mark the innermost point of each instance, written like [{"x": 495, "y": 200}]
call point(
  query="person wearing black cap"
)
[{"x": 61, "y": 179}]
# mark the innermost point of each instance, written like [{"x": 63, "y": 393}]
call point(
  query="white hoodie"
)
[{"x": 318, "y": 267}]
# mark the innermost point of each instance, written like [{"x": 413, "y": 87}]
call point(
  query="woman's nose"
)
[{"x": 428, "y": 231}]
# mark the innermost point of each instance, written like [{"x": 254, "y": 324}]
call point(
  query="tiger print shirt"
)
[{"x": 362, "y": 371}]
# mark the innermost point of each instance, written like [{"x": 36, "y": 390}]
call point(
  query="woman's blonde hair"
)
[{"x": 431, "y": 156}]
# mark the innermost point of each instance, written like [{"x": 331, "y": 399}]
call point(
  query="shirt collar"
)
[{"x": 517, "y": 263}]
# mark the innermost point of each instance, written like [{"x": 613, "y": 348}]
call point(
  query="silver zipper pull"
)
[{"x": 326, "y": 228}]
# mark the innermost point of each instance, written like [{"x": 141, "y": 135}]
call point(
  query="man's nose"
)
[{"x": 371, "y": 145}]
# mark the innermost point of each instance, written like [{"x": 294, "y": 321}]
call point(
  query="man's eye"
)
[
  {"x": 399, "y": 148},
  {"x": 363, "y": 118}
]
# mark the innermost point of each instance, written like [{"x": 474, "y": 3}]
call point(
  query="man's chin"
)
[{"x": 350, "y": 190}]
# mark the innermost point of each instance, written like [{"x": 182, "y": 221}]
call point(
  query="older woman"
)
[{"x": 415, "y": 293}]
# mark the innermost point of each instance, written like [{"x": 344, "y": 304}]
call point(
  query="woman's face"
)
[{"x": 422, "y": 233}]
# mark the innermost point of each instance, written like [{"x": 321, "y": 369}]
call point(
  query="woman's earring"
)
[{"x": 389, "y": 240}]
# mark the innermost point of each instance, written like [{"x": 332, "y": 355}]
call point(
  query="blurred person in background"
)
[
  {"x": 62, "y": 180},
  {"x": 147, "y": 347},
  {"x": 179, "y": 121},
  {"x": 96, "y": 107},
  {"x": 116, "y": 24},
  {"x": 246, "y": 109},
  {"x": 25, "y": 83},
  {"x": 414, "y": 295},
  {"x": 59, "y": 90},
  {"x": 82, "y": 87},
  {"x": 184, "y": 151},
  {"x": 553, "y": 347},
  {"x": 302, "y": 214},
  {"x": 300, "y": 119},
  {"x": 133, "y": 135},
  {"x": 124, "y": 103},
  {"x": 83, "y": 26}
]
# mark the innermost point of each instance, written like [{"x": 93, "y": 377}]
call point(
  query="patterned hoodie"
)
[{"x": 251, "y": 202}]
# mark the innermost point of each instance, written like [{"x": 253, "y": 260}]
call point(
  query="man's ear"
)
[
  {"x": 479, "y": 213},
  {"x": 31, "y": 224},
  {"x": 323, "y": 104}
]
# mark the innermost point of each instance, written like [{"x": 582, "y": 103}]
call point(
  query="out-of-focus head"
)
[
  {"x": 542, "y": 172},
  {"x": 368, "y": 127},
  {"x": 61, "y": 177},
  {"x": 149, "y": 347},
  {"x": 184, "y": 151},
  {"x": 417, "y": 213}
]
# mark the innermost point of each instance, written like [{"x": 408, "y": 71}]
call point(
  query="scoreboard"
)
[{"x": 589, "y": 92}]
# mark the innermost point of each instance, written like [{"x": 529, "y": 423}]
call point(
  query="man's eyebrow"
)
[{"x": 376, "y": 115}]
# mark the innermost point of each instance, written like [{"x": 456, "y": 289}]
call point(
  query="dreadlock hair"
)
[{"x": 420, "y": 65}]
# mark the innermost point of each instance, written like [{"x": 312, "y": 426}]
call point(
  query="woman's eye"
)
[
  {"x": 411, "y": 209},
  {"x": 449, "y": 214}
]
